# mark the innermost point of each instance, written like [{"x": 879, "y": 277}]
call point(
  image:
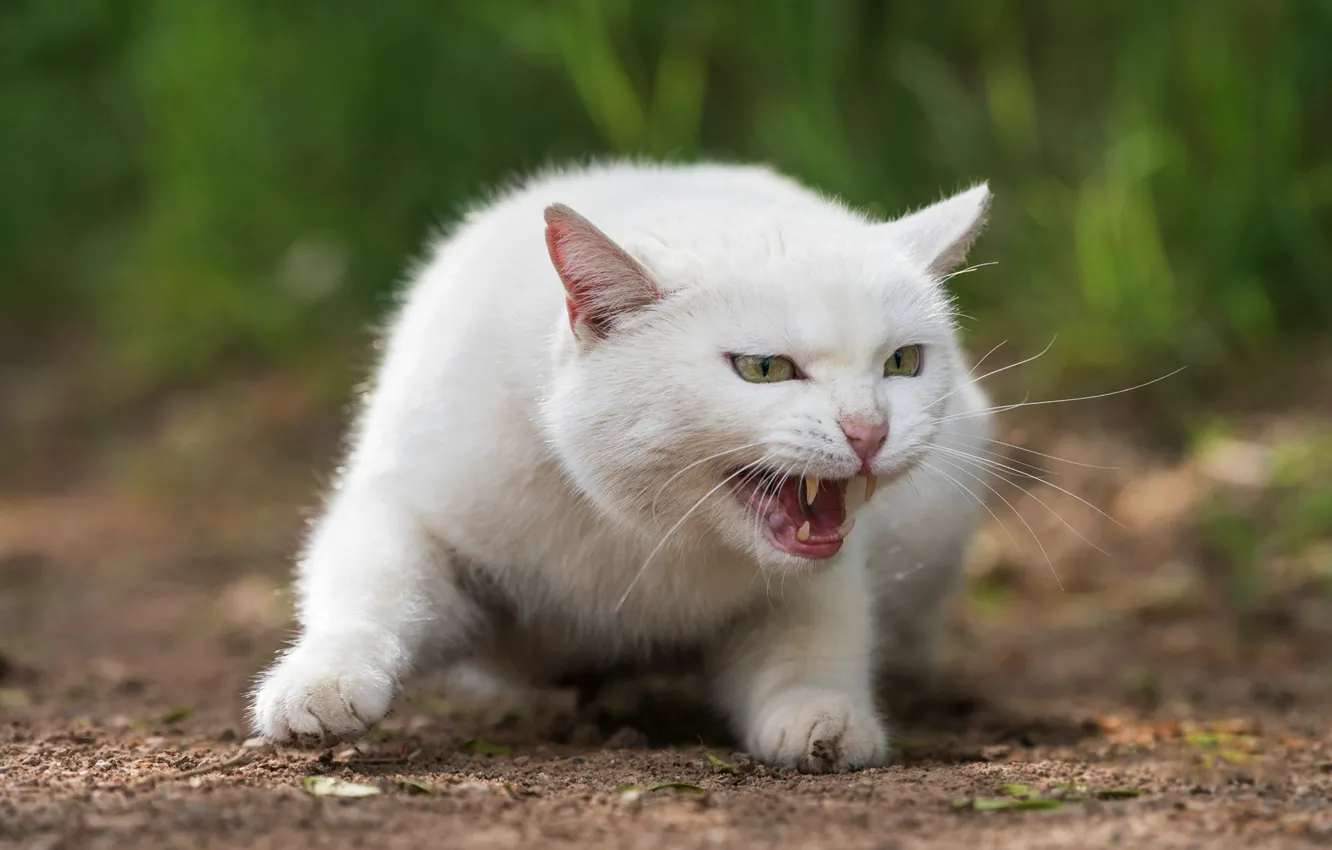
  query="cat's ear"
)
[
  {"x": 601, "y": 281},
  {"x": 941, "y": 234}
]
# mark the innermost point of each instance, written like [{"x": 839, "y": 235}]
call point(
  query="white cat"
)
[{"x": 655, "y": 431}]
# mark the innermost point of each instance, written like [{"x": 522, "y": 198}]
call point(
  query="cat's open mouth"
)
[{"x": 805, "y": 516}]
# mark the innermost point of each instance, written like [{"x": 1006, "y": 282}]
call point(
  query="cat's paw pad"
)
[
  {"x": 321, "y": 695},
  {"x": 817, "y": 731}
]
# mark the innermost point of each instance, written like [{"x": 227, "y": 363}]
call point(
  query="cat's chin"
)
[{"x": 804, "y": 517}]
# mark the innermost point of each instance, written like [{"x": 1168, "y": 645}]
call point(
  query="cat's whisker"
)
[
  {"x": 992, "y": 373},
  {"x": 763, "y": 489},
  {"x": 781, "y": 588},
  {"x": 1003, "y": 458},
  {"x": 997, "y": 465},
  {"x": 1034, "y": 536},
  {"x": 912, "y": 484},
  {"x": 1031, "y": 451},
  {"x": 967, "y": 270},
  {"x": 675, "y": 527},
  {"x": 984, "y": 357},
  {"x": 758, "y": 518},
  {"x": 662, "y": 488},
  {"x": 982, "y": 464},
  {"x": 764, "y": 503},
  {"x": 927, "y": 467},
  {"x": 971, "y": 414}
]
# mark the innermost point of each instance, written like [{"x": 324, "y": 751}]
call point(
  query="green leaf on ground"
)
[
  {"x": 724, "y": 767},
  {"x": 177, "y": 714}
]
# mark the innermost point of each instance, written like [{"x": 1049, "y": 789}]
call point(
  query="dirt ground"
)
[{"x": 142, "y": 586}]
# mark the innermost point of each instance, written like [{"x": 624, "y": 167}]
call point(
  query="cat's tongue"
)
[{"x": 808, "y": 528}]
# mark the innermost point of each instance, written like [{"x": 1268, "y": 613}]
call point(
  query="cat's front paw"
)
[
  {"x": 321, "y": 692},
  {"x": 818, "y": 731}
]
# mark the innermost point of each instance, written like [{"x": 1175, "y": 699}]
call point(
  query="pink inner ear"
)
[
  {"x": 559, "y": 234},
  {"x": 601, "y": 280}
]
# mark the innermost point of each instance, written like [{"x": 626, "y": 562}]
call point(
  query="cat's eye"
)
[
  {"x": 764, "y": 369},
  {"x": 904, "y": 362}
]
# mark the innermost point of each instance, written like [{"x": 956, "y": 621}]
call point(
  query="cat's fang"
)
[
  {"x": 803, "y": 533},
  {"x": 845, "y": 528},
  {"x": 871, "y": 484},
  {"x": 811, "y": 489}
]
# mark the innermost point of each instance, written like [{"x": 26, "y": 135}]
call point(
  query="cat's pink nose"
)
[{"x": 865, "y": 440}]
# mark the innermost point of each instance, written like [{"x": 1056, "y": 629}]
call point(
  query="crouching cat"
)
[{"x": 636, "y": 406}]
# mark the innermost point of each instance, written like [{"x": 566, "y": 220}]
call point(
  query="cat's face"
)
[{"x": 756, "y": 399}]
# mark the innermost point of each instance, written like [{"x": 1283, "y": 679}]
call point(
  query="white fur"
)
[{"x": 500, "y": 456}]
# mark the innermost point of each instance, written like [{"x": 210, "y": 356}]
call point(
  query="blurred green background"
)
[{"x": 202, "y": 185}]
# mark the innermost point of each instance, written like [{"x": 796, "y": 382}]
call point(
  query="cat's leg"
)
[
  {"x": 373, "y": 591},
  {"x": 797, "y": 680}
]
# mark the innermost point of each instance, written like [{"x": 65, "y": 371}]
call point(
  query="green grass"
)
[
  {"x": 223, "y": 182},
  {"x": 1272, "y": 539}
]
